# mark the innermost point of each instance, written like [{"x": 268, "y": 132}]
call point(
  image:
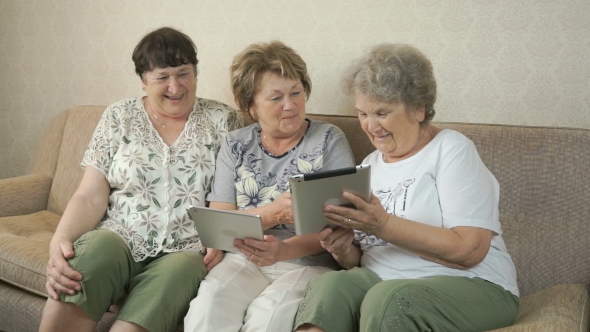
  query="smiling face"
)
[
  {"x": 393, "y": 129},
  {"x": 279, "y": 105},
  {"x": 171, "y": 91}
]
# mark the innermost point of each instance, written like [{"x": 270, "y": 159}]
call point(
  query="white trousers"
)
[{"x": 236, "y": 296}]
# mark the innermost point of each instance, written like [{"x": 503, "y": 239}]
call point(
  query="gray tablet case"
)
[
  {"x": 310, "y": 192},
  {"x": 218, "y": 228}
]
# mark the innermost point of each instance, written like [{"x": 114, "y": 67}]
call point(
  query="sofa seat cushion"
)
[
  {"x": 558, "y": 308},
  {"x": 24, "y": 244}
]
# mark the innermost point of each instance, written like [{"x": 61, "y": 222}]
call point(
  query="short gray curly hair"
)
[{"x": 394, "y": 73}]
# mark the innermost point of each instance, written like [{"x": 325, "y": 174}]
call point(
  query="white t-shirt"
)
[{"x": 445, "y": 185}]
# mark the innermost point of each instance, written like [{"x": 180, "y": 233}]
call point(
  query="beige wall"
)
[{"x": 515, "y": 62}]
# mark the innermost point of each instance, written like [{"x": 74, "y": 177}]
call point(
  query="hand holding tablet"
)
[
  {"x": 218, "y": 228},
  {"x": 311, "y": 192}
]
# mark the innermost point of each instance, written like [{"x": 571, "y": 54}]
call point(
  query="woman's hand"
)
[
  {"x": 280, "y": 211},
  {"x": 337, "y": 241},
  {"x": 61, "y": 278},
  {"x": 212, "y": 258},
  {"x": 369, "y": 217},
  {"x": 261, "y": 253}
]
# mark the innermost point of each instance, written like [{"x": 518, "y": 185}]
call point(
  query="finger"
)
[
  {"x": 329, "y": 242},
  {"x": 340, "y": 236},
  {"x": 245, "y": 252},
  {"x": 59, "y": 287},
  {"x": 356, "y": 200},
  {"x": 209, "y": 255},
  {"x": 54, "y": 273},
  {"x": 341, "y": 245},
  {"x": 337, "y": 219},
  {"x": 62, "y": 266},
  {"x": 64, "y": 284},
  {"x": 243, "y": 247},
  {"x": 253, "y": 258},
  {"x": 67, "y": 249},
  {"x": 63, "y": 269},
  {"x": 324, "y": 233},
  {"x": 51, "y": 291},
  {"x": 215, "y": 260},
  {"x": 343, "y": 239},
  {"x": 255, "y": 244},
  {"x": 66, "y": 271},
  {"x": 238, "y": 243}
]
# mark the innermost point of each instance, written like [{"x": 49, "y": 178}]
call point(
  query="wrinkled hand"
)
[
  {"x": 282, "y": 209},
  {"x": 261, "y": 253},
  {"x": 212, "y": 258},
  {"x": 61, "y": 278},
  {"x": 369, "y": 217},
  {"x": 337, "y": 241}
]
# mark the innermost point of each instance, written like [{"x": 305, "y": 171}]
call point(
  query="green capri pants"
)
[
  {"x": 358, "y": 300},
  {"x": 159, "y": 289}
]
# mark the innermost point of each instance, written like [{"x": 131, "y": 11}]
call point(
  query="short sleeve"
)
[
  {"x": 234, "y": 120},
  {"x": 338, "y": 153},
  {"x": 223, "y": 188},
  {"x": 104, "y": 142},
  {"x": 468, "y": 191}
]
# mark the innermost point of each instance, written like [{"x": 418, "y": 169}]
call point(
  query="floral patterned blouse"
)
[
  {"x": 152, "y": 184},
  {"x": 249, "y": 176}
]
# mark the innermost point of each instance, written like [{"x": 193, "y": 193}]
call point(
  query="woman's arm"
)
[
  {"x": 300, "y": 246},
  {"x": 277, "y": 212},
  {"x": 272, "y": 250},
  {"x": 458, "y": 247},
  {"x": 83, "y": 212},
  {"x": 86, "y": 207}
]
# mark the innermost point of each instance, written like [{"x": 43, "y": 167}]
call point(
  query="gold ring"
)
[{"x": 348, "y": 222}]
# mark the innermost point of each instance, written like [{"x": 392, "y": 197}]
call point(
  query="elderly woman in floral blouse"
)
[{"x": 126, "y": 230}]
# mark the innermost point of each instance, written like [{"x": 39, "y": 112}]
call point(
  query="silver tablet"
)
[
  {"x": 218, "y": 228},
  {"x": 311, "y": 192}
]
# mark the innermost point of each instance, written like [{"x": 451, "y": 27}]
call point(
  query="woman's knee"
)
[
  {"x": 333, "y": 280},
  {"x": 397, "y": 303},
  {"x": 98, "y": 251},
  {"x": 176, "y": 270}
]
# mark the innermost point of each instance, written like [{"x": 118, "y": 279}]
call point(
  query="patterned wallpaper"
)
[{"x": 514, "y": 62}]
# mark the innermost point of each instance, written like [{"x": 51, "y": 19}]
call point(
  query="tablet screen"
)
[
  {"x": 311, "y": 192},
  {"x": 218, "y": 228}
]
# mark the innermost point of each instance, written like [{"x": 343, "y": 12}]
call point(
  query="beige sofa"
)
[{"x": 544, "y": 176}]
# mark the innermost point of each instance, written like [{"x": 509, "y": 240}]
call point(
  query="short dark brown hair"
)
[
  {"x": 164, "y": 47},
  {"x": 249, "y": 66}
]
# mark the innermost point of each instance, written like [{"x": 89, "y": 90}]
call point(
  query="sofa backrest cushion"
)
[
  {"x": 77, "y": 132},
  {"x": 48, "y": 153},
  {"x": 544, "y": 176}
]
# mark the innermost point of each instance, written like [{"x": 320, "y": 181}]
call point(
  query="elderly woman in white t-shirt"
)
[{"x": 429, "y": 241}]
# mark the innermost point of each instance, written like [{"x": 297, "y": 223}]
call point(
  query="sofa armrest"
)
[
  {"x": 24, "y": 194},
  {"x": 558, "y": 308}
]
